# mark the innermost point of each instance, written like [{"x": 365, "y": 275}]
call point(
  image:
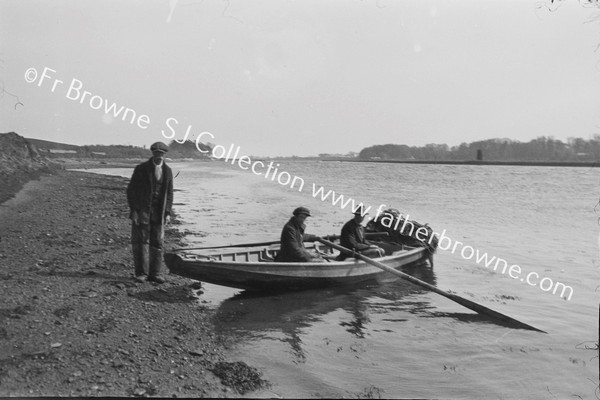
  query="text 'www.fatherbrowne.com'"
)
[{"x": 445, "y": 243}]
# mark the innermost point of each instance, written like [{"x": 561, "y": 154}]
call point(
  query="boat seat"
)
[{"x": 266, "y": 255}]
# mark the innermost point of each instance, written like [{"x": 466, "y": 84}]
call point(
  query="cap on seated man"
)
[
  {"x": 292, "y": 239},
  {"x": 353, "y": 237}
]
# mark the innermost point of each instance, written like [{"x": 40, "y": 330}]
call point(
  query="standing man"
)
[
  {"x": 150, "y": 197},
  {"x": 292, "y": 239},
  {"x": 353, "y": 238}
]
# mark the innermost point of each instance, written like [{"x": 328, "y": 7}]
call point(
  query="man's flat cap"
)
[
  {"x": 302, "y": 210},
  {"x": 159, "y": 146},
  {"x": 360, "y": 210}
]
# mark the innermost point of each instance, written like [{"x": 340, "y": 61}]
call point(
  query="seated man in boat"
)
[
  {"x": 293, "y": 237},
  {"x": 353, "y": 238}
]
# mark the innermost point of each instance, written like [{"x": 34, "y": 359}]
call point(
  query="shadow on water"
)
[
  {"x": 469, "y": 318},
  {"x": 284, "y": 316}
]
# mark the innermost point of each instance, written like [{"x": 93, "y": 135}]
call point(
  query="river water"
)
[{"x": 393, "y": 339}]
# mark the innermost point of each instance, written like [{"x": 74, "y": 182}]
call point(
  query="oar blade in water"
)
[{"x": 460, "y": 300}]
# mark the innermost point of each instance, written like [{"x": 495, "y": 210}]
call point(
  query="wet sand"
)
[{"x": 73, "y": 321}]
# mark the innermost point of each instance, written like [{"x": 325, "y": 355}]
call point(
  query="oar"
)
[
  {"x": 328, "y": 237},
  {"x": 460, "y": 300}
]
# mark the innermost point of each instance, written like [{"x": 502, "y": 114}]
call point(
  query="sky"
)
[{"x": 298, "y": 77}]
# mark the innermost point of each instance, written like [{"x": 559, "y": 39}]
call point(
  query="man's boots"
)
[
  {"x": 140, "y": 260},
  {"x": 155, "y": 265}
]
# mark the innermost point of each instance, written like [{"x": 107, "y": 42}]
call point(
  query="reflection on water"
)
[{"x": 284, "y": 316}]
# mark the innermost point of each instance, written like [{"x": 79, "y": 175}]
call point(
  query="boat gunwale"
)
[{"x": 350, "y": 262}]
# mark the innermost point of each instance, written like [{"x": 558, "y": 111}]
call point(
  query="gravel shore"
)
[{"x": 75, "y": 323}]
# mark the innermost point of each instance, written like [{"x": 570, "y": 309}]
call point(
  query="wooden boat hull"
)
[{"x": 278, "y": 276}]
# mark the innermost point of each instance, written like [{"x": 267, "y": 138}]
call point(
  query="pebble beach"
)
[{"x": 75, "y": 323}]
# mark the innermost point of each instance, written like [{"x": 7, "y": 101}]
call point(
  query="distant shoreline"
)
[
  {"x": 474, "y": 162},
  {"x": 128, "y": 163}
]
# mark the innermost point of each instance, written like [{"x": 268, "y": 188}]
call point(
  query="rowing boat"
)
[{"x": 255, "y": 268}]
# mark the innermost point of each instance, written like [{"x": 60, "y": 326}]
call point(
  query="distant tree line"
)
[
  {"x": 188, "y": 149},
  {"x": 539, "y": 149}
]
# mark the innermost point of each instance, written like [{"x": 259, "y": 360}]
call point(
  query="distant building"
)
[
  {"x": 59, "y": 151},
  {"x": 337, "y": 155}
]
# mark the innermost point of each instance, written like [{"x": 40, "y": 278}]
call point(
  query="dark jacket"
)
[
  {"x": 353, "y": 237},
  {"x": 292, "y": 243},
  {"x": 141, "y": 187}
]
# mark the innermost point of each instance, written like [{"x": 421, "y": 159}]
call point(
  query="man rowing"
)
[
  {"x": 293, "y": 237},
  {"x": 353, "y": 238}
]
